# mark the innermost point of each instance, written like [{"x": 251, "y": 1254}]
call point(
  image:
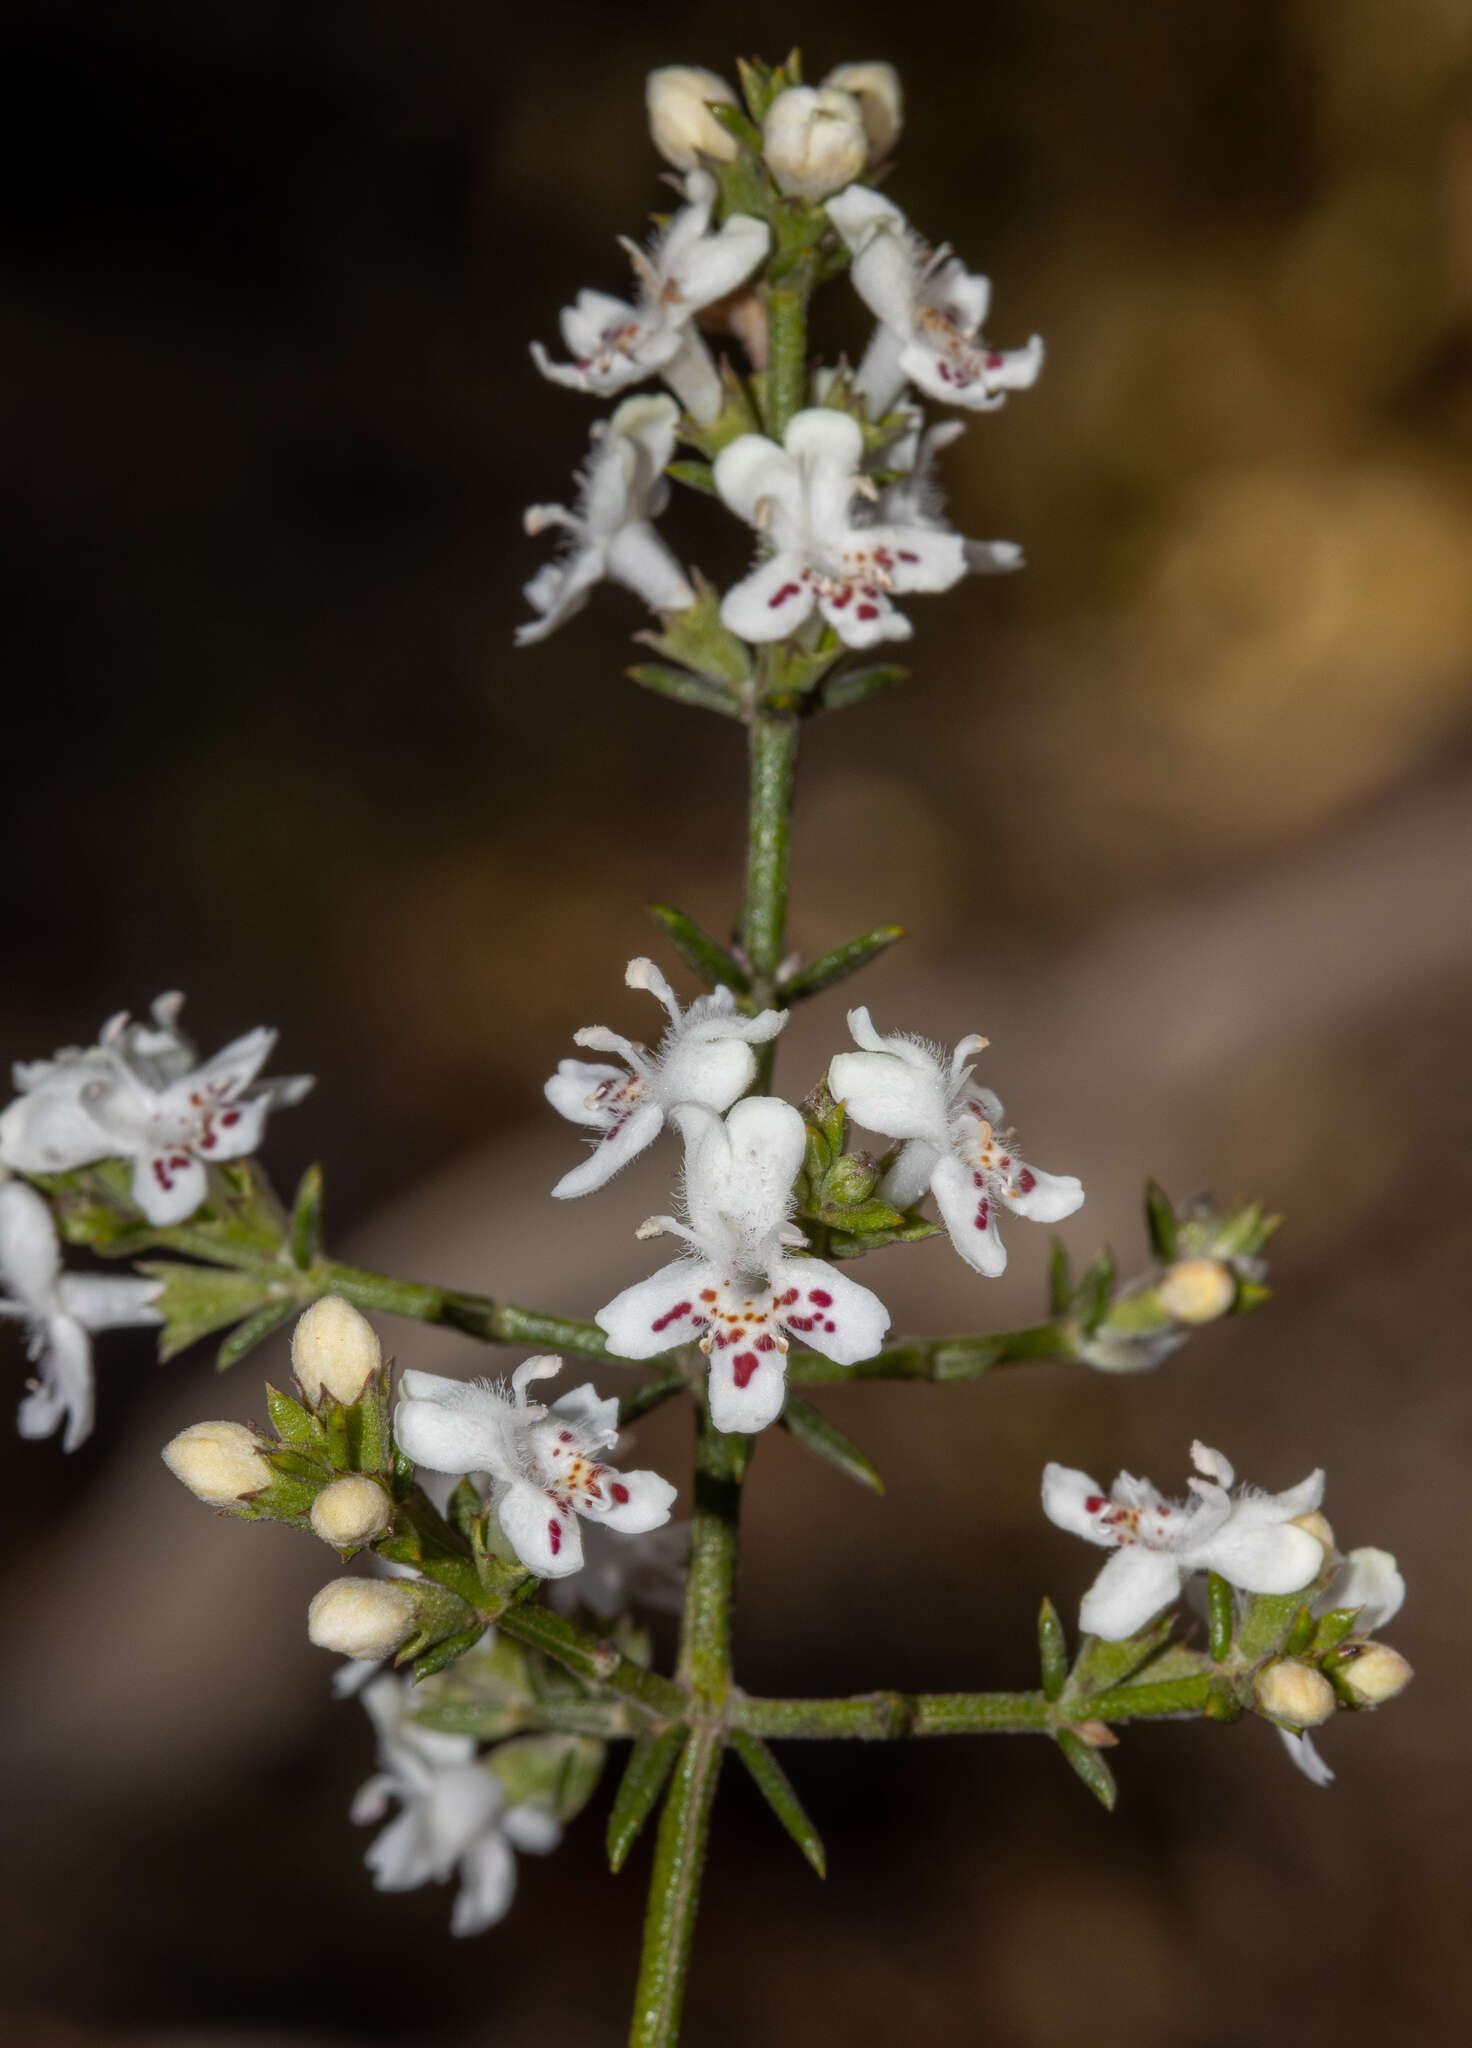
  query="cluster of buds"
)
[{"x": 815, "y": 140}]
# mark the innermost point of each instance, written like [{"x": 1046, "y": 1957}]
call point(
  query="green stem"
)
[
  {"x": 705, "y": 1636},
  {"x": 787, "y": 355},
  {"x": 943, "y": 1358},
  {"x": 769, "y": 839},
  {"x": 494, "y": 1322},
  {"x": 890, "y": 1716},
  {"x": 674, "y": 1893},
  {"x": 588, "y": 1656}
]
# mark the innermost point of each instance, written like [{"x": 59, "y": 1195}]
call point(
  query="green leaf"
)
[
  {"x": 199, "y": 1299},
  {"x": 1052, "y": 1650},
  {"x": 684, "y": 688},
  {"x": 254, "y": 1330},
  {"x": 696, "y": 639},
  {"x": 293, "y": 1423},
  {"x": 839, "y": 964},
  {"x": 1160, "y": 1220},
  {"x": 699, "y": 951},
  {"x": 1251, "y": 1294},
  {"x": 445, "y": 1652},
  {"x": 464, "y": 1506},
  {"x": 1090, "y": 1766},
  {"x": 557, "y": 1772},
  {"x": 758, "y": 88},
  {"x": 647, "y": 1772},
  {"x": 826, "y": 1440},
  {"x": 860, "y": 1219},
  {"x": 1095, "y": 1289},
  {"x": 1221, "y": 1612},
  {"x": 852, "y": 686},
  {"x": 776, "y": 1788},
  {"x": 306, "y": 1219},
  {"x": 828, "y": 1116},
  {"x": 698, "y": 475},
  {"x": 1333, "y": 1627},
  {"x": 1268, "y": 1620},
  {"x": 1100, "y": 1665}
]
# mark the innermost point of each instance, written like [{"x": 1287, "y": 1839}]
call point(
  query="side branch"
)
[
  {"x": 944, "y": 1358},
  {"x": 893, "y": 1716}
]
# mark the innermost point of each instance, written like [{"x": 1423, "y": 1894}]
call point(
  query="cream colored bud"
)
[
  {"x": 1317, "y": 1524},
  {"x": 351, "y": 1511},
  {"x": 365, "y": 1618},
  {"x": 813, "y": 141},
  {"x": 881, "y": 100},
  {"x": 220, "y": 1462},
  {"x": 1295, "y": 1693},
  {"x": 681, "y": 123},
  {"x": 334, "y": 1350},
  {"x": 1375, "y": 1673},
  {"x": 1197, "y": 1290}
]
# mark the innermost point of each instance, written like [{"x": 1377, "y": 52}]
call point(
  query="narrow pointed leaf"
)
[
  {"x": 1100, "y": 1665},
  {"x": 444, "y": 1652},
  {"x": 699, "y": 951},
  {"x": 776, "y": 1788},
  {"x": 1160, "y": 1217},
  {"x": 684, "y": 688},
  {"x": 1094, "y": 1290},
  {"x": 253, "y": 1331},
  {"x": 1052, "y": 1650},
  {"x": 306, "y": 1219},
  {"x": 1090, "y": 1766},
  {"x": 698, "y": 475},
  {"x": 1221, "y": 1616},
  {"x": 840, "y": 963},
  {"x": 293, "y": 1423},
  {"x": 852, "y": 686},
  {"x": 645, "y": 1776},
  {"x": 825, "y": 1439}
]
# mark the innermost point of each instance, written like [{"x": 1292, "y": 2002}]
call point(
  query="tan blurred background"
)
[{"x": 1179, "y": 818}]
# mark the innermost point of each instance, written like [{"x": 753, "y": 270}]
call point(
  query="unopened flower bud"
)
[
  {"x": 334, "y": 1351},
  {"x": 1197, "y": 1290},
  {"x": 1317, "y": 1524},
  {"x": 365, "y": 1618},
  {"x": 877, "y": 89},
  {"x": 220, "y": 1462},
  {"x": 1374, "y": 1672},
  {"x": 681, "y": 123},
  {"x": 813, "y": 141},
  {"x": 351, "y": 1511},
  {"x": 1295, "y": 1693}
]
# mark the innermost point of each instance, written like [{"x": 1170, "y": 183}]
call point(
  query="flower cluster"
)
[{"x": 843, "y": 501}]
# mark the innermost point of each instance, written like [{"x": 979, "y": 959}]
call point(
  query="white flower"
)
[
  {"x": 705, "y": 1056},
  {"x": 678, "y": 98},
  {"x": 799, "y": 498},
  {"x": 61, "y": 1309},
  {"x": 542, "y": 1460},
  {"x": 953, "y": 1147},
  {"x": 916, "y": 498},
  {"x": 930, "y": 310},
  {"x": 633, "y": 1572},
  {"x": 877, "y": 89},
  {"x": 1370, "y": 1581},
  {"x": 1251, "y": 1541},
  {"x": 621, "y": 492},
  {"x": 814, "y": 140},
  {"x": 615, "y": 344},
  {"x": 739, "y": 1290},
  {"x": 453, "y": 1814},
  {"x": 139, "y": 1094}
]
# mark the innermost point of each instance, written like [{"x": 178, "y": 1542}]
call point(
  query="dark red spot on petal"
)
[
  {"x": 554, "y": 1535},
  {"x": 681, "y": 1308},
  {"x": 992, "y": 361},
  {"x": 821, "y": 1296},
  {"x": 801, "y": 1322},
  {"x": 1027, "y": 1180},
  {"x": 564, "y": 1436},
  {"x": 708, "y": 1294},
  {"x": 619, "y": 1491},
  {"x": 743, "y": 1367},
  {"x": 781, "y": 597},
  {"x": 784, "y": 1300},
  {"x": 1093, "y": 1504},
  {"x": 983, "y": 1215},
  {"x": 867, "y": 611},
  {"x": 906, "y": 556},
  {"x": 766, "y": 1341},
  {"x": 230, "y": 1118}
]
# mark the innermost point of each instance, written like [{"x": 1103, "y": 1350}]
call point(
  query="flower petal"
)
[
  {"x": 168, "y": 1186},
  {"x": 638, "y": 1502},
  {"x": 1306, "y": 1758},
  {"x": 64, "y": 1388},
  {"x": 30, "y": 1253},
  {"x": 640, "y": 560},
  {"x": 1261, "y": 1557},
  {"x": 970, "y": 1215},
  {"x": 1134, "y": 1585},
  {"x": 109, "y": 1301},
  {"x": 656, "y": 1314},
  {"x": 487, "y": 1884},
  {"x": 620, "y": 1143},
  {"x": 1368, "y": 1579},
  {"x": 833, "y": 1315},
  {"x": 235, "y": 1132},
  {"x": 771, "y": 602},
  {"x": 898, "y": 1097},
  {"x": 543, "y": 1533},
  {"x": 746, "y": 1390},
  {"x": 532, "y": 1830},
  {"x": 717, "y": 263},
  {"x": 49, "y": 1130},
  {"x": 1050, "y": 1198},
  {"x": 756, "y": 479},
  {"x": 575, "y": 1081},
  {"x": 1067, "y": 1493},
  {"x": 908, "y": 1180},
  {"x": 452, "y": 1425}
]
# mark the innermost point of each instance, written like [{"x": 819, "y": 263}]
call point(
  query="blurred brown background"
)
[{"x": 1179, "y": 818}]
